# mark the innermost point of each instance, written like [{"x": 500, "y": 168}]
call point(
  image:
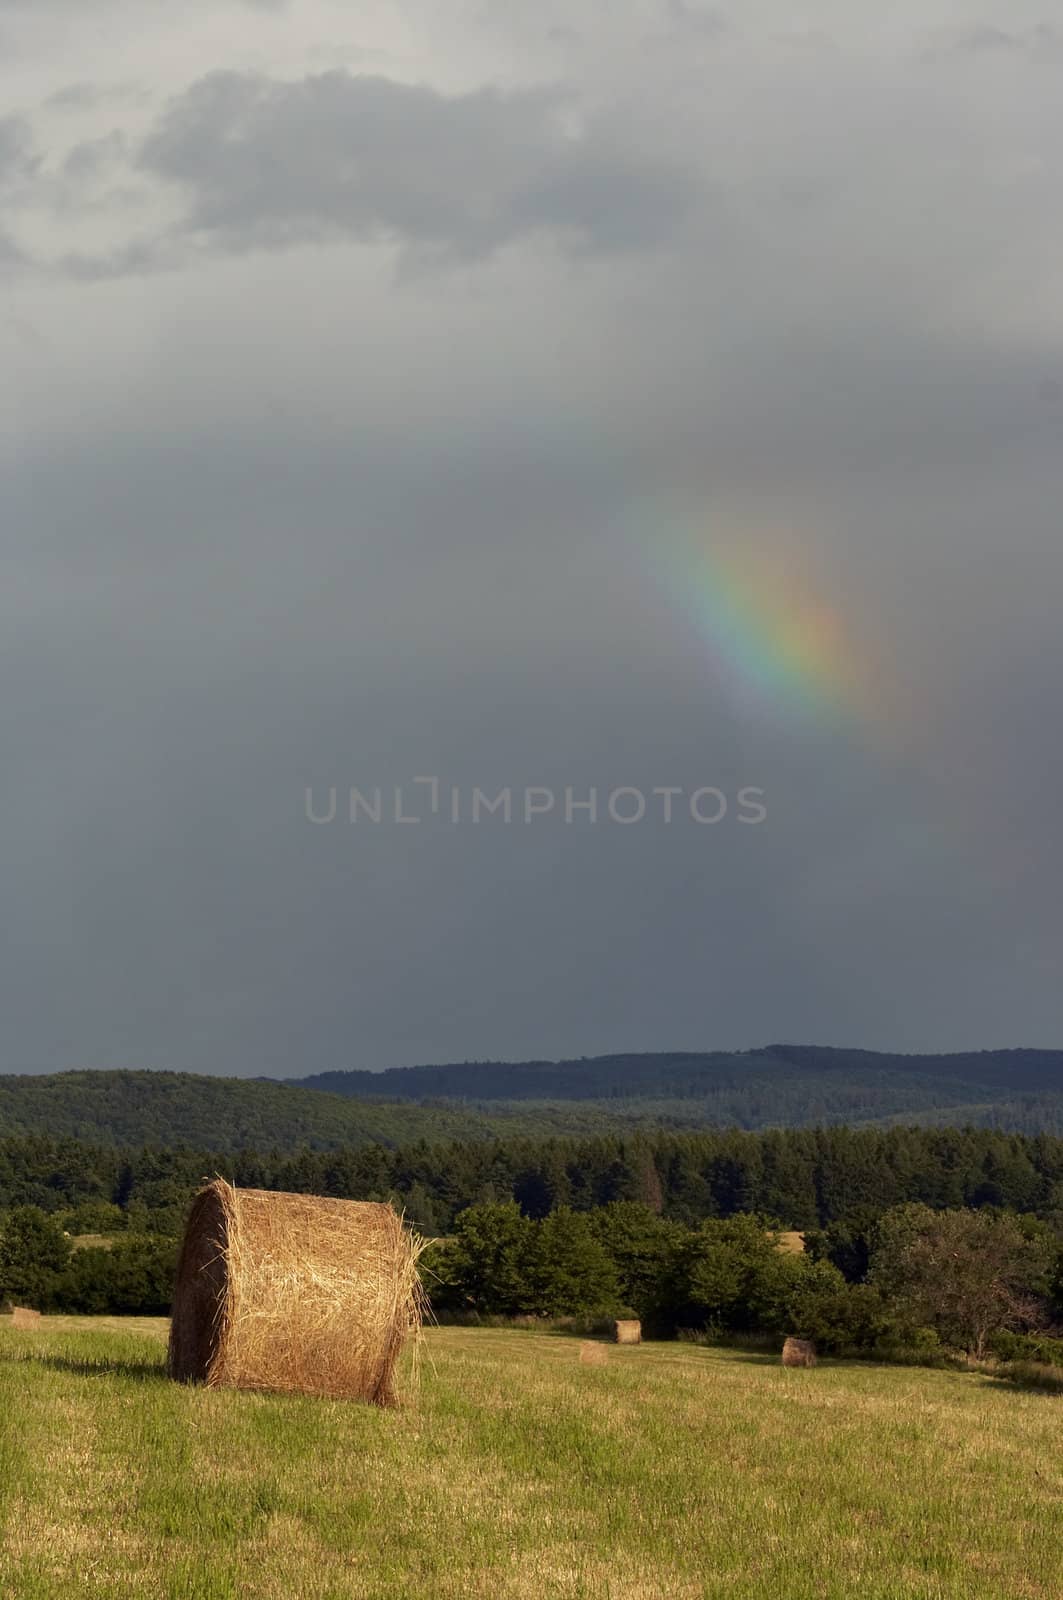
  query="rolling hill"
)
[
  {"x": 689, "y": 1075},
  {"x": 782, "y": 1086}
]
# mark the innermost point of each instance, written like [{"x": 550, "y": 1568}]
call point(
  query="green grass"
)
[{"x": 670, "y": 1471}]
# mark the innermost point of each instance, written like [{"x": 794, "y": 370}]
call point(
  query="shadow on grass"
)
[
  {"x": 773, "y": 1358},
  {"x": 753, "y": 1358},
  {"x": 1027, "y": 1375},
  {"x": 136, "y": 1371}
]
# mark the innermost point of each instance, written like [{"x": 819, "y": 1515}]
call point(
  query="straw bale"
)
[
  {"x": 294, "y": 1293},
  {"x": 799, "y": 1353}
]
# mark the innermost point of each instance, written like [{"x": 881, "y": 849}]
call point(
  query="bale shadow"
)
[
  {"x": 765, "y": 1358},
  {"x": 136, "y": 1371},
  {"x": 754, "y": 1358}
]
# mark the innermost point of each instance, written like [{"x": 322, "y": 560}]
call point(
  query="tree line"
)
[
  {"x": 931, "y": 1282},
  {"x": 927, "y": 1283},
  {"x": 798, "y": 1178}
]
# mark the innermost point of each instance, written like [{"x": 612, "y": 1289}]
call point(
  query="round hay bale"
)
[
  {"x": 799, "y": 1353},
  {"x": 592, "y": 1354},
  {"x": 293, "y": 1293},
  {"x": 23, "y": 1317},
  {"x": 627, "y": 1331}
]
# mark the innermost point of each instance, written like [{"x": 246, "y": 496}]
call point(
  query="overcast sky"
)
[{"x": 539, "y": 394}]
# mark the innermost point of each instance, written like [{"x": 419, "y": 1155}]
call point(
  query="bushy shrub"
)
[
  {"x": 34, "y": 1252},
  {"x": 842, "y": 1318},
  {"x": 1038, "y": 1347},
  {"x": 94, "y": 1216},
  {"x": 133, "y": 1278}
]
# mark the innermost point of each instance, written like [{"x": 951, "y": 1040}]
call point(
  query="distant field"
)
[
  {"x": 671, "y": 1471},
  {"x": 792, "y": 1242}
]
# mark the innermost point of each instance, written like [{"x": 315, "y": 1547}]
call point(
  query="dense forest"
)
[
  {"x": 799, "y": 1178},
  {"x": 786, "y": 1086}
]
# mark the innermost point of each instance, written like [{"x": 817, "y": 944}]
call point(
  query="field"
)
[{"x": 671, "y": 1471}]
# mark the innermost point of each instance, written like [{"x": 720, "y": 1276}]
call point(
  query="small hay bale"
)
[
  {"x": 627, "y": 1331},
  {"x": 799, "y": 1353},
  {"x": 293, "y": 1293},
  {"x": 592, "y": 1354},
  {"x": 23, "y": 1317}
]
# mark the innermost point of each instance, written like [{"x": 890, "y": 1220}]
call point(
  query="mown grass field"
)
[{"x": 671, "y": 1471}]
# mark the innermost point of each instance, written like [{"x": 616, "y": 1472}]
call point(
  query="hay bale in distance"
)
[
  {"x": 627, "y": 1331},
  {"x": 293, "y": 1293},
  {"x": 23, "y": 1317},
  {"x": 799, "y": 1353},
  {"x": 592, "y": 1354}
]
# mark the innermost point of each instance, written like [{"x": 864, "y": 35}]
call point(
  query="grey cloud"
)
[
  {"x": 18, "y": 161},
  {"x": 269, "y": 163},
  {"x": 1042, "y": 42},
  {"x": 84, "y": 96},
  {"x": 18, "y": 158},
  {"x": 92, "y": 158},
  {"x": 695, "y": 14},
  {"x": 80, "y": 5},
  {"x": 11, "y": 253}
]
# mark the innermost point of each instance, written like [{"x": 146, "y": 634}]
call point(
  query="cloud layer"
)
[
  {"x": 268, "y": 163},
  {"x": 581, "y": 397}
]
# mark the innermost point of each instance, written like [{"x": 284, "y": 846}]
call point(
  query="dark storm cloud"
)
[
  {"x": 246, "y": 620},
  {"x": 268, "y": 163},
  {"x": 231, "y": 617},
  {"x": 279, "y": 520}
]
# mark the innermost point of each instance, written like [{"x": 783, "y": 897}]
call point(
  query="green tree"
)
[
  {"x": 967, "y": 1274},
  {"x": 722, "y": 1274},
  {"x": 490, "y": 1257},
  {"x": 847, "y": 1318},
  {"x": 640, "y": 1244},
  {"x": 568, "y": 1269},
  {"x": 94, "y": 1216},
  {"x": 134, "y": 1278},
  {"x": 33, "y": 1254}
]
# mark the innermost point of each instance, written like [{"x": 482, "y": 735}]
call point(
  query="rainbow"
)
[
  {"x": 785, "y": 652},
  {"x": 774, "y": 636}
]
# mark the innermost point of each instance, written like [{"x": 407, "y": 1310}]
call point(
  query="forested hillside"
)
[
  {"x": 791, "y": 1070},
  {"x": 177, "y": 1108},
  {"x": 786, "y": 1086}
]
